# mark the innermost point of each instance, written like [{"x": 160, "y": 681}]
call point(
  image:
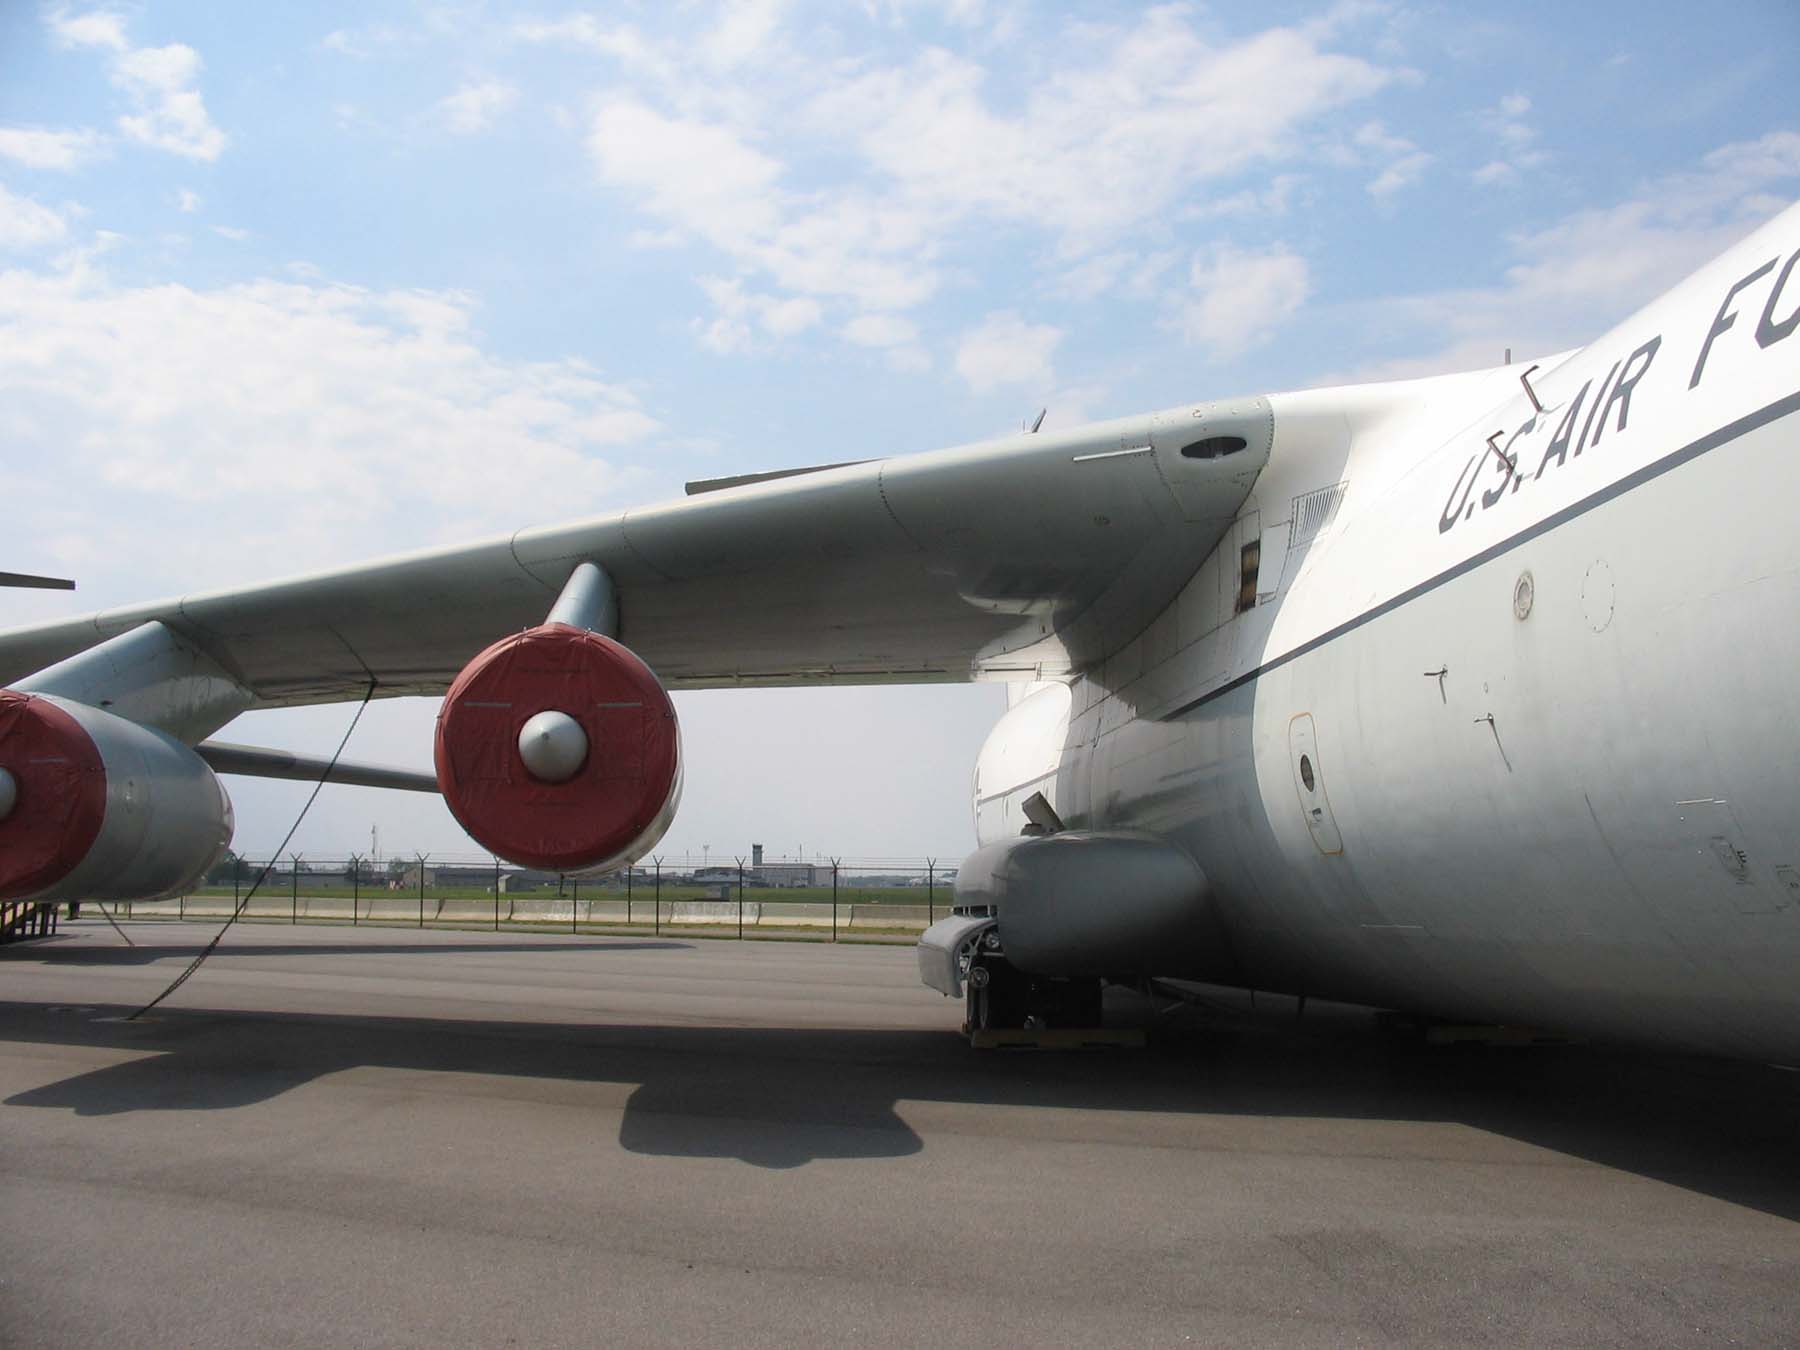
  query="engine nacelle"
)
[
  {"x": 1094, "y": 903},
  {"x": 95, "y": 807},
  {"x": 558, "y": 748}
]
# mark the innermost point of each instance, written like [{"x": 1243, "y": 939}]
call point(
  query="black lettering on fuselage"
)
[
  {"x": 1621, "y": 393},
  {"x": 1507, "y": 468},
  {"x": 1512, "y": 459},
  {"x": 1726, "y": 317},
  {"x": 1501, "y": 467},
  {"x": 1768, "y": 330},
  {"x": 1581, "y": 444},
  {"x": 1558, "y": 449},
  {"x": 1453, "y": 508}
]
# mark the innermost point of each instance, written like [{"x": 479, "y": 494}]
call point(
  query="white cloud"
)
[
  {"x": 278, "y": 425},
  {"x": 709, "y": 182},
  {"x": 37, "y": 148},
  {"x": 360, "y": 43},
  {"x": 784, "y": 318},
  {"x": 703, "y": 177},
  {"x": 231, "y": 232},
  {"x": 160, "y": 82},
  {"x": 1270, "y": 199},
  {"x": 1004, "y": 349},
  {"x": 1106, "y": 141},
  {"x": 895, "y": 337},
  {"x": 25, "y": 224},
  {"x": 1403, "y": 163},
  {"x": 1515, "y": 143},
  {"x": 1571, "y": 280},
  {"x": 474, "y": 107},
  {"x": 1128, "y": 126},
  {"x": 1401, "y": 173},
  {"x": 171, "y": 114},
  {"x": 97, "y": 28},
  {"x": 743, "y": 31},
  {"x": 881, "y": 330},
  {"x": 187, "y": 201},
  {"x": 737, "y": 309},
  {"x": 1239, "y": 297}
]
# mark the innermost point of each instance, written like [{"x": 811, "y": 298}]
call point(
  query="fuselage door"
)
[{"x": 1309, "y": 784}]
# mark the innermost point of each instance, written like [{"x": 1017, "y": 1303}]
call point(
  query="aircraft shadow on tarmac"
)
[{"x": 781, "y": 1098}]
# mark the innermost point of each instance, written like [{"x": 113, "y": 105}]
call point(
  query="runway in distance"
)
[{"x": 1472, "y": 696}]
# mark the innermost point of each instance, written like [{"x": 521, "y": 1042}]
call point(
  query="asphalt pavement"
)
[{"x": 382, "y": 1137}]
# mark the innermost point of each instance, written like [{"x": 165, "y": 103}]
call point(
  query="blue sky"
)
[{"x": 283, "y": 286}]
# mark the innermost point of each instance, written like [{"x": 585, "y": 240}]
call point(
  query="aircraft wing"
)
[{"x": 1021, "y": 558}]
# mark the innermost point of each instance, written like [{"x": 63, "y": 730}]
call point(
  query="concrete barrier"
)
[
  {"x": 713, "y": 912},
  {"x": 889, "y": 916}
]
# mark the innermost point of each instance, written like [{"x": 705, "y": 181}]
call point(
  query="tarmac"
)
[{"x": 382, "y": 1137}]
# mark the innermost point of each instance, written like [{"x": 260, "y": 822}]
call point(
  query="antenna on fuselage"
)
[
  {"x": 1504, "y": 459},
  {"x": 1530, "y": 393},
  {"x": 1031, "y": 427}
]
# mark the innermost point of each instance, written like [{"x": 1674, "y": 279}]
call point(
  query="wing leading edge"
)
[{"x": 1028, "y": 557}]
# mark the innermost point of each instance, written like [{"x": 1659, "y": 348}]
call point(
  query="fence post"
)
[
  {"x": 355, "y": 889},
  {"x": 834, "y": 884},
  {"x": 421, "y": 857},
  {"x": 574, "y": 903},
  {"x": 294, "y": 890},
  {"x": 656, "y": 903},
  {"x": 740, "y": 863},
  {"x": 628, "y": 867},
  {"x": 931, "y": 890},
  {"x": 496, "y": 892}
]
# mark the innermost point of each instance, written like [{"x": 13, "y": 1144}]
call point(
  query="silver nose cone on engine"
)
[{"x": 553, "y": 746}]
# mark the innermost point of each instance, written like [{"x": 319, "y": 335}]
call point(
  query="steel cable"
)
[{"x": 263, "y": 876}]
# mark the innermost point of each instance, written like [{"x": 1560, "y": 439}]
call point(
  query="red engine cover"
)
[
  {"x": 633, "y": 748},
  {"x": 62, "y": 794}
]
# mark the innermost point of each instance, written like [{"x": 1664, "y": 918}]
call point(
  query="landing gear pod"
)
[
  {"x": 558, "y": 748},
  {"x": 1094, "y": 903},
  {"x": 95, "y": 807}
]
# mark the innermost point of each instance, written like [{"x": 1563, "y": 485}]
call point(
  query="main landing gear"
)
[
  {"x": 1003, "y": 998},
  {"x": 961, "y": 955}
]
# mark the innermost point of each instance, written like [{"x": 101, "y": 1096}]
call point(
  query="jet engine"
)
[
  {"x": 558, "y": 748},
  {"x": 95, "y": 807}
]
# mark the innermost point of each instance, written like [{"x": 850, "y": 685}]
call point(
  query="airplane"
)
[{"x": 1473, "y": 696}]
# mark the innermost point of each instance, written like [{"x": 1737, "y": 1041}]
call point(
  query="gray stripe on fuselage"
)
[{"x": 1774, "y": 412}]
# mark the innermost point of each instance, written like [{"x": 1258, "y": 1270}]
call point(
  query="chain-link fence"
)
[{"x": 825, "y": 898}]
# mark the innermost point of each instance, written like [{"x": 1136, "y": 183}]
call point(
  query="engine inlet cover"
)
[
  {"x": 513, "y": 789},
  {"x": 59, "y": 794}
]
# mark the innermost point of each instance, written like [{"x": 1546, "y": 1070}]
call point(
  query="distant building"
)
[{"x": 787, "y": 874}]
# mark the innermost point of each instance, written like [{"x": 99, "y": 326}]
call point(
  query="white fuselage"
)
[{"x": 1544, "y": 690}]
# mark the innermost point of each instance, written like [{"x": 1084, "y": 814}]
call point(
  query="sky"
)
[{"x": 288, "y": 286}]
